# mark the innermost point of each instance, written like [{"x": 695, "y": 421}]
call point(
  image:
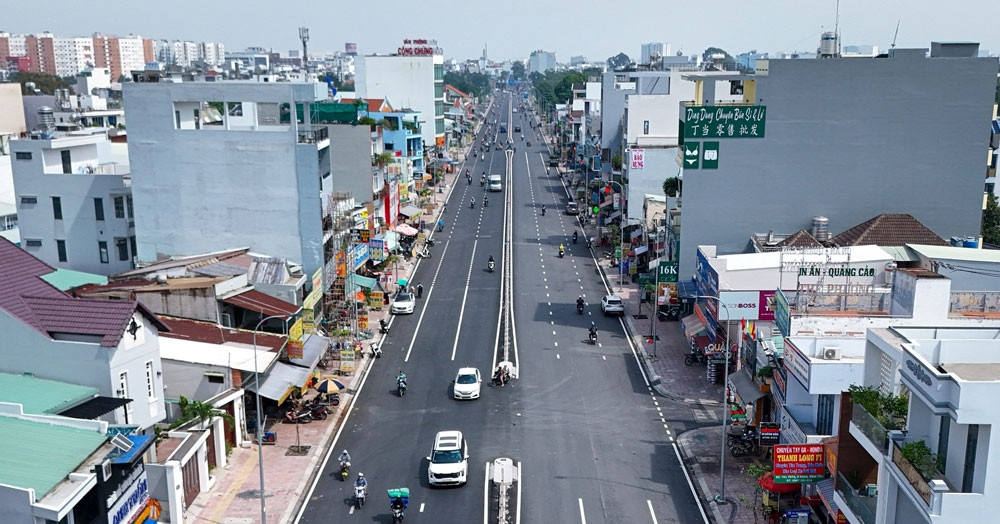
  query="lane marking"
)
[
  {"x": 652, "y": 514},
  {"x": 421, "y": 508},
  {"x": 520, "y": 481},
  {"x": 583, "y": 516},
  {"x": 465, "y": 296},
  {"x": 486, "y": 495},
  {"x": 430, "y": 292},
  {"x": 557, "y": 356}
]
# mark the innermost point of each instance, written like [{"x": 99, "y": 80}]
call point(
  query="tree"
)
[
  {"x": 45, "y": 83},
  {"x": 755, "y": 471},
  {"x": 517, "y": 70},
  {"x": 991, "y": 221},
  {"x": 728, "y": 62},
  {"x": 200, "y": 411},
  {"x": 616, "y": 163},
  {"x": 670, "y": 186},
  {"x": 619, "y": 61}
]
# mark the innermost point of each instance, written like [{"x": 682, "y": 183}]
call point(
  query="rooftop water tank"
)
[
  {"x": 972, "y": 242},
  {"x": 821, "y": 228},
  {"x": 46, "y": 117}
]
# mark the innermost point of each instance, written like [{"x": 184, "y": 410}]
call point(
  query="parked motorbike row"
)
[
  {"x": 316, "y": 409},
  {"x": 745, "y": 444}
]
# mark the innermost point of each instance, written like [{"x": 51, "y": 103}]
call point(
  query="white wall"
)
[{"x": 407, "y": 81}]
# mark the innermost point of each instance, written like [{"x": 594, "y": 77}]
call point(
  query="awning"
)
[
  {"x": 312, "y": 350},
  {"x": 614, "y": 215},
  {"x": 744, "y": 386},
  {"x": 641, "y": 249},
  {"x": 692, "y": 325},
  {"x": 406, "y": 230},
  {"x": 95, "y": 407},
  {"x": 253, "y": 300},
  {"x": 411, "y": 211},
  {"x": 276, "y": 384},
  {"x": 653, "y": 264},
  {"x": 363, "y": 281},
  {"x": 391, "y": 240},
  {"x": 687, "y": 289}
]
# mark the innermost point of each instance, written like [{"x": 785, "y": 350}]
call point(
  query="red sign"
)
[
  {"x": 799, "y": 463},
  {"x": 764, "y": 311}
]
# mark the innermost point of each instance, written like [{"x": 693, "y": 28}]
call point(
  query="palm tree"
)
[
  {"x": 202, "y": 412},
  {"x": 383, "y": 158}
]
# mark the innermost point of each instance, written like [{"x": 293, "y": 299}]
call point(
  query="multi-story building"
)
[
  {"x": 73, "y": 55},
  {"x": 74, "y": 202},
  {"x": 652, "y": 50},
  {"x": 122, "y": 55},
  {"x": 199, "y": 168},
  {"x": 806, "y": 127},
  {"x": 213, "y": 53},
  {"x": 541, "y": 61},
  {"x": 413, "y": 78},
  {"x": 41, "y": 50}
]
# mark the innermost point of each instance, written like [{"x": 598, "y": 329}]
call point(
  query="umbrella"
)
[
  {"x": 767, "y": 482},
  {"x": 402, "y": 282},
  {"x": 330, "y": 385}
]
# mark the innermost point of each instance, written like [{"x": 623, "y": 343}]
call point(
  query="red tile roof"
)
[
  {"x": 454, "y": 89},
  {"x": 888, "y": 229},
  {"x": 46, "y": 309},
  {"x": 258, "y": 302},
  {"x": 375, "y": 105},
  {"x": 800, "y": 238},
  {"x": 210, "y": 333}
]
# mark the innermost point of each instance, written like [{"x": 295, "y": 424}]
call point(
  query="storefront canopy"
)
[
  {"x": 744, "y": 386},
  {"x": 312, "y": 350},
  {"x": 279, "y": 380},
  {"x": 363, "y": 281},
  {"x": 406, "y": 230},
  {"x": 692, "y": 325},
  {"x": 411, "y": 211},
  {"x": 391, "y": 240}
]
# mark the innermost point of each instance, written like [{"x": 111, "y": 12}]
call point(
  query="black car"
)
[{"x": 517, "y": 129}]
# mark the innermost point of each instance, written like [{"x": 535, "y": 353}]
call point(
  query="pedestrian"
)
[
  {"x": 412, "y": 290},
  {"x": 420, "y": 290}
]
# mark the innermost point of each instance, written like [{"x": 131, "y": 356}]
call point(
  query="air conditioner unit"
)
[
  {"x": 106, "y": 469},
  {"x": 831, "y": 353},
  {"x": 871, "y": 490}
]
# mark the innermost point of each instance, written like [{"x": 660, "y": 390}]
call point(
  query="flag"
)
[
  {"x": 743, "y": 325},
  {"x": 753, "y": 330}
]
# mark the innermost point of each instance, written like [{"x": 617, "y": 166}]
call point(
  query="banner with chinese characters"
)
[{"x": 724, "y": 121}]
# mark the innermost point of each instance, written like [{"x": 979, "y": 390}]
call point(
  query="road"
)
[{"x": 593, "y": 443}]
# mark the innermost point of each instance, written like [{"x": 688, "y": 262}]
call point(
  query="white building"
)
[
  {"x": 73, "y": 55},
  {"x": 541, "y": 61},
  {"x": 202, "y": 171},
  {"x": 411, "y": 82},
  {"x": 214, "y": 54},
  {"x": 653, "y": 50},
  {"x": 74, "y": 202}
]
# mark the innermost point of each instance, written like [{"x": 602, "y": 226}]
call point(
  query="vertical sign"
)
[
  {"x": 781, "y": 315},
  {"x": 764, "y": 306},
  {"x": 347, "y": 360},
  {"x": 308, "y": 320},
  {"x": 638, "y": 158},
  {"x": 710, "y": 155},
  {"x": 295, "y": 340}
]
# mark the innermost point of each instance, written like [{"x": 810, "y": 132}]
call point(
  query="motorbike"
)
[
  {"x": 470, "y": 181},
  {"x": 743, "y": 445},
  {"x": 401, "y": 387},
  {"x": 429, "y": 242},
  {"x": 360, "y": 494},
  {"x": 440, "y": 227},
  {"x": 492, "y": 265},
  {"x": 472, "y": 204},
  {"x": 376, "y": 350},
  {"x": 424, "y": 253},
  {"x": 561, "y": 253},
  {"x": 543, "y": 211},
  {"x": 397, "y": 515},
  {"x": 298, "y": 416},
  {"x": 593, "y": 337},
  {"x": 482, "y": 182},
  {"x": 345, "y": 470},
  {"x": 579, "y": 307},
  {"x": 500, "y": 378},
  {"x": 383, "y": 326},
  {"x": 574, "y": 237},
  {"x": 318, "y": 411},
  {"x": 529, "y": 144},
  {"x": 695, "y": 356},
  {"x": 486, "y": 202}
]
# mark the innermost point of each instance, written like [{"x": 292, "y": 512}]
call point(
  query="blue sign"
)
[
  {"x": 781, "y": 316},
  {"x": 376, "y": 249}
]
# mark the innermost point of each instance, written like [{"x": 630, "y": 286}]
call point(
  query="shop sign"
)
[
  {"x": 365, "y": 235},
  {"x": 341, "y": 260},
  {"x": 131, "y": 503},
  {"x": 725, "y": 122},
  {"x": 798, "y": 463},
  {"x": 376, "y": 249},
  {"x": 347, "y": 360},
  {"x": 739, "y": 304},
  {"x": 770, "y": 433},
  {"x": 312, "y": 298},
  {"x": 710, "y": 155},
  {"x": 294, "y": 348},
  {"x": 667, "y": 293},
  {"x": 376, "y": 299},
  {"x": 394, "y": 193},
  {"x": 308, "y": 319},
  {"x": 764, "y": 310},
  {"x": 692, "y": 154},
  {"x": 317, "y": 279},
  {"x": 706, "y": 278},
  {"x": 778, "y": 381},
  {"x": 667, "y": 271},
  {"x": 638, "y": 158},
  {"x": 797, "y": 363},
  {"x": 360, "y": 219},
  {"x": 359, "y": 255},
  {"x": 781, "y": 315},
  {"x": 363, "y": 321}
]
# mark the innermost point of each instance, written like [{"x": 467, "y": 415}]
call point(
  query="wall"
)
[
  {"x": 196, "y": 303},
  {"x": 131, "y": 356},
  {"x": 16, "y": 504},
  {"x": 351, "y": 166},
  {"x": 407, "y": 81},
  {"x": 661, "y": 113},
  {"x": 186, "y": 379},
  {"x": 820, "y": 157},
  {"x": 166, "y": 486},
  {"x": 11, "y": 110},
  {"x": 659, "y": 164}
]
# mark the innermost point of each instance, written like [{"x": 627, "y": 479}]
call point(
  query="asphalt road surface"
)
[{"x": 592, "y": 441}]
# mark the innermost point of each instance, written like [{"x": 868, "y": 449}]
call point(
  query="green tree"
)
[
  {"x": 616, "y": 162},
  {"x": 991, "y": 221},
  {"x": 756, "y": 504},
  {"x": 670, "y": 186},
  {"x": 728, "y": 62},
  {"x": 517, "y": 70},
  {"x": 45, "y": 83},
  {"x": 200, "y": 411}
]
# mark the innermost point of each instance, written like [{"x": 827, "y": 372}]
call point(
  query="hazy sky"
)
[{"x": 513, "y": 28}]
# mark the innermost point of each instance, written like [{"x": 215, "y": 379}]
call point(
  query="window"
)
[
  {"x": 57, "y": 208},
  {"x": 67, "y": 162},
  {"x": 33, "y": 243},
  {"x": 99, "y": 208},
  {"x": 149, "y": 380},
  {"x": 29, "y": 200},
  {"x": 197, "y": 119},
  {"x": 215, "y": 377},
  {"x": 102, "y": 248},
  {"x": 824, "y": 415},
  {"x": 122, "y": 245},
  {"x": 944, "y": 431},
  {"x": 177, "y": 119},
  {"x": 128, "y": 200},
  {"x": 61, "y": 249},
  {"x": 131, "y": 241},
  {"x": 645, "y": 127},
  {"x": 22, "y": 155},
  {"x": 119, "y": 207},
  {"x": 123, "y": 393}
]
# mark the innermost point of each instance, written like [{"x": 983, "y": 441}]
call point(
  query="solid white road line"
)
[
  {"x": 486, "y": 494},
  {"x": 421, "y": 508},
  {"x": 694, "y": 494},
  {"x": 651, "y": 513},
  {"x": 465, "y": 295},
  {"x": 583, "y": 516},
  {"x": 424, "y": 310},
  {"x": 520, "y": 482}
]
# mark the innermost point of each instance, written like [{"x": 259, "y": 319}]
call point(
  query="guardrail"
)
[{"x": 855, "y": 502}]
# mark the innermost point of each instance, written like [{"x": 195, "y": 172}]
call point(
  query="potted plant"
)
[{"x": 766, "y": 374}]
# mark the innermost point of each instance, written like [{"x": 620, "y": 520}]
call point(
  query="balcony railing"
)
[
  {"x": 913, "y": 476},
  {"x": 862, "y": 507},
  {"x": 872, "y": 429},
  {"x": 313, "y": 135}
]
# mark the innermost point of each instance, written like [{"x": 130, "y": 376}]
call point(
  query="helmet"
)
[
  {"x": 592, "y": 324},
  {"x": 361, "y": 475}
]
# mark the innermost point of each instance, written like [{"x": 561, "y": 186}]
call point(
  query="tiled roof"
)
[
  {"x": 210, "y": 333},
  {"x": 256, "y": 301},
  {"x": 800, "y": 238},
  {"x": 888, "y": 229},
  {"x": 456, "y": 91}
]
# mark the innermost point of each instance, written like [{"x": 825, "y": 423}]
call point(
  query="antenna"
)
[
  {"x": 836, "y": 28},
  {"x": 894, "y": 35}
]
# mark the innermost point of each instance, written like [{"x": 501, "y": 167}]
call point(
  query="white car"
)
[
  {"x": 448, "y": 462},
  {"x": 468, "y": 382},
  {"x": 403, "y": 304},
  {"x": 612, "y": 305}
]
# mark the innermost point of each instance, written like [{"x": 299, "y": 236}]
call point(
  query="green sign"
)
[
  {"x": 709, "y": 155},
  {"x": 596, "y": 210},
  {"x": 724, "y": 122},
  {"x": 692, "y": 152},
  {"x": 645, "y": 279},
  {"x": 667, "y": 271},
  {"x": 618, "y": 252}
]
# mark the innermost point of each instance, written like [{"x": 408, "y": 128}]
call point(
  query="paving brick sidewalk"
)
[{"x": 700, "y": 449}]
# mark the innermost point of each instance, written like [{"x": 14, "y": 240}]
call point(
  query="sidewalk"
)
[{"x": 700, "y": 449}]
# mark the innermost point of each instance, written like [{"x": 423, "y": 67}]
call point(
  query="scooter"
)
[
  {"x": 579, "y": 307},
  {"x": 472, "y": 204},
  {"x": 486, "y": 202},
  {"x": 376, "y": 350},
  {"x": 561, "y": 253},
  {"x": 318, "y": 411},
  {"x": 301, "y": 416},
  {"x": 695, "y": 356},
  {"x": 593, "y": 337},
  {"x": 401, "y": 388},
  {"x": 429, "y": 242},
  {"x": 345, "y": 470},
  {"x": 360, "y": 494},
  {"x": 424, "y": 253},
  {"x": 492, "y": 265},
  {"x": 397, "y": 515},
  {"x": 383, "y": 326}
]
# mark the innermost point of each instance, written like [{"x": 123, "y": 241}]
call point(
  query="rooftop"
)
[
  {"x": 978, "y": 372},
  {"x": 888, "y": 229},
  {"x": 210, "y": 333},
  {"x": 956, "y": 253},
  {"x": 66, "y": 279},
  {"x": 44, "y": 455},
  {"x": 41, "y": 396},
  {"x": 226, "y": 355}
]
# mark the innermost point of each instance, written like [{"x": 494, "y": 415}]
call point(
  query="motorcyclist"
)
[
  {"x": 473, "y": 202},
  {"x": 345, "y": 458},
  {"x": 574, "y": 237},
  {"x": 361, "y": 482},
  {"x": 562, "y": 249},
  {"x": 579, "y": 301},
  {"x": 486, "y": 200},
  {"x": 400, "y": 379},
  {"x": 593, "y": 329},
  {"x": 543, "y": 209}
]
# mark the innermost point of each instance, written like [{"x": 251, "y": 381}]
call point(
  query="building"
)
[
  {"x": 817, "y": 110},
  {"x": 577, "y": 60},
  {"x": 413, "y": 78},
  {"x": 648, "y": 53},
  {"x": 615, "y": 87},
  {"x": 74, "y": 202},
  {"x": 122, "y": 55},
  {"x": 73, "y": 55},
  {"x": 196, "y": 169},
  {"x": 541, "y": 61}
]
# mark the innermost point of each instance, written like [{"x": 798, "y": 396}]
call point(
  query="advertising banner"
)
[
  {"x": 638, "y": 157},
  {"x": 376, "y": 299},
  {"x": 362, "y": 321},
  {"x": 781, "y": 315},
  {"x": 739, "y": 304},
  {"x": 724, "y": 121},
  {"x": 798, "y": 463},
  {"x": 347, "y": 360},
  {"x": 294, "y": 346},
  {"x": 796, "y": 363},
  {"x": 376, "y": 249},
  {"x": 308, "y": 320},
  {"x": 770, "y": 433},
  {"x": 667, "y": 271},
  {"x": 764, "y": 311}
]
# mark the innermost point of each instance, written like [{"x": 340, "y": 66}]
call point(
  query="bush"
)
[
  {"x": 920, "y": 456},
  {"x": 889, "y": 410},
  {"x": 765, "y": 372}
]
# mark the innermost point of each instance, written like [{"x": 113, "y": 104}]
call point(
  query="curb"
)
[{"x": 696, "y": 471}]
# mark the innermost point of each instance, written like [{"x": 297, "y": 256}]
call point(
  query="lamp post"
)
[
  {"x": 260, "y": 434},
  {"x": 656, "y": 291},
  {"x": 720, "y": 498}
]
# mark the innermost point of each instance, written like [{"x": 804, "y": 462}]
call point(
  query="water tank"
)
[
  {"x": 46, "y": 117},
  {"x": 955, "y": 241},
  {"x": 828, "y": 44},
  {"x": 972, "y": 242},
  {"x": 821, "y": 228}
]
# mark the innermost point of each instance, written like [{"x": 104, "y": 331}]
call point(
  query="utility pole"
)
[{"x": 304, "y": 36}]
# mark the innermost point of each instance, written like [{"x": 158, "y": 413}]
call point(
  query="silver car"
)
[{"x": 612, "y": 305}]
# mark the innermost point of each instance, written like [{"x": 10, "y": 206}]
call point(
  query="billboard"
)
[
  {"x": 638, "y": 157},
  {"x": 724, "y": 121},
  {"x": 798, "y": 463},
  {"x": 781, "y": 315}
]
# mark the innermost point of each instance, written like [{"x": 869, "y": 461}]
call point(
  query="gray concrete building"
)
[
  {"x": 845, "y": 138},
  {"x": 615, "y": 86}
]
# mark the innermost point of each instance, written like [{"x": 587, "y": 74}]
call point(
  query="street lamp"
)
[
  {"x": 720, "y": 498},
  {"x": 260, "y": 434},
  {"x": 656, "y": 288}
]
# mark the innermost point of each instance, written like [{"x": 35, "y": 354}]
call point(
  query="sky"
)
[{"x": 513, "y": 28}]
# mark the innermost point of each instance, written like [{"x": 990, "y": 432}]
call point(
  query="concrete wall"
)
[
  {"x": 407, "y": 81},
  {"x": 351, "y": 166},
  {"x": 659, "y": 164},
  {"x": 188, "y": 380},
  {"x": 197, "y": 303},
  {"x": 613, "y": 101},
  {"x": 849, "y": 139},
  {"x": 16, "y": 504},
  {"x": 11, "y": 110}
]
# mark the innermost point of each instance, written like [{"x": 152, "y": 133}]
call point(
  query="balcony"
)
[
  {"x": 870, "y": 427},
  {"x": 313, "y": 135},
  {"x": 863, "y": 507}
]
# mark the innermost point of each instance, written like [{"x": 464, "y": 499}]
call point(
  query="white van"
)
[{"x": 495, "y": 183}]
